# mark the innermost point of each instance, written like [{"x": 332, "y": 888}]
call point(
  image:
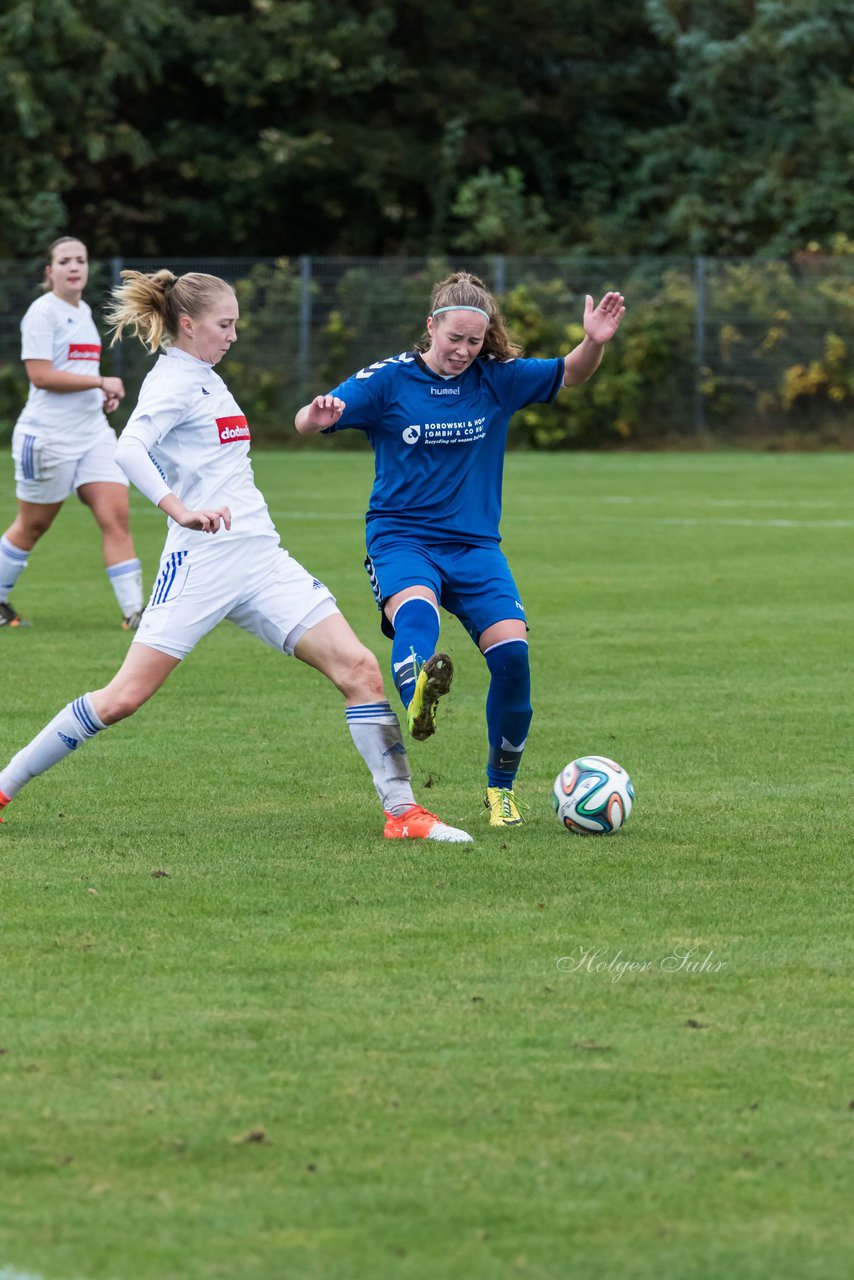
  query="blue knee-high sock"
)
[
  {"x": 416, "y": 631},
  {"x": 508, "y": 709}
]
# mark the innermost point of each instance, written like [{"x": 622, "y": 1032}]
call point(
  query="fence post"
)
[
  {"x": 118, "y": 350},
  {"x": 499, "y": 266},
  {"x": 305, "y": 321},
  {"x": 699, "y": 342}
]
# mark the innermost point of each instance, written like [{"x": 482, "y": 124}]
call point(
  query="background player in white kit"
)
[
  {"x": 186, "y": 447},
  {"x": 62, "y": 441}
]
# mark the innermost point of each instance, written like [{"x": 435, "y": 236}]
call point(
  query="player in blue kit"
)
[{"x": 437, "y": 418}]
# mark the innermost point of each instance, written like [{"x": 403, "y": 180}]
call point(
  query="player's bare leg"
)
[
  {"x": 109, "y": 504},
  {"x": 31, "y": 523}
]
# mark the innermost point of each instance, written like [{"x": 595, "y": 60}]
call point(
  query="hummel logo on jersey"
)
[
  {"x": 233, "y": 429},
  {"x": 444, "y": 391},
  {"x": 71, "y": 743},
  {"x": 411, "y": 434},
  {"x": 316, "y": 584},
  {"x": 205, "y": 392}
]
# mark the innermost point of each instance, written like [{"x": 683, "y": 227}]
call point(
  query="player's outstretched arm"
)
[
  {"x": 323, "y": 412},
  {"x": 600, "y": 325}
]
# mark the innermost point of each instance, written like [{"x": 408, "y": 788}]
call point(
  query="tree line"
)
[{"x": 264, "y": 127}]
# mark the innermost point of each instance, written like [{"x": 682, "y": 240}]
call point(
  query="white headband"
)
[{"x": 459, "y": 307}]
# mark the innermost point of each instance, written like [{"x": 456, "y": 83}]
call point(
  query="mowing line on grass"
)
[
  {"x": 745, "y": 522},
  {"x": 9, "y": 1273}
]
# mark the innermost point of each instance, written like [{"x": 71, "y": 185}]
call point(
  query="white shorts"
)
[
  {"x": 252, "y": 582},
  {"x": 45, "y": 475}
]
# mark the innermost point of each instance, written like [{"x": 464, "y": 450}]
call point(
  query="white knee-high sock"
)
[
  {"x": 376, "y": 733},
  {"x": 74, "y": 725},
  {"x": 13, "y": 562},
  {"x": 126, "y": 581}
]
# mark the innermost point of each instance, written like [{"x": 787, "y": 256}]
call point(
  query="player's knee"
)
[
  {"x": 360, "y": 676},
  {"x": 119, "y": 703},
  {"x": 26, "y": 533},
  {"x": 113, "y": 524},
  {"x": 509, "y": 661}
]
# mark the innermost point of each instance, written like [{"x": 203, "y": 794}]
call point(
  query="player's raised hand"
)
[{"x": 602, "y": 322}]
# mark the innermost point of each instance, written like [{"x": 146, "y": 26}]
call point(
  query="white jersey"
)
[
  {"x": 196, "y": 443},
  {"x": 54, "y": 330}
]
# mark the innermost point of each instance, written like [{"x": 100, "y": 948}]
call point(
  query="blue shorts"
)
[{"x": 473, "y": 583}]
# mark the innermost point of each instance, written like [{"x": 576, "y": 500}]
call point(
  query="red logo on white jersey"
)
[
  {"x": 84, "y": 351},
  {"x": 231, "y": 429}
]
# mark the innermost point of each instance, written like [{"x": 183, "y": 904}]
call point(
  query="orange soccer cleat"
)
[{"x": 420, "y": 824}]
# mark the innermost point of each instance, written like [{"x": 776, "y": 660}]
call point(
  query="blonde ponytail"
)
[{"x": 151, "y": 305}]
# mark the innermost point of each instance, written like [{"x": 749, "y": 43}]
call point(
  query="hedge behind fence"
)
[{"x": 709, "y": 349}]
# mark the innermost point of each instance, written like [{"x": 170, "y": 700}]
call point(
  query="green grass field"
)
[{"x": 241, "y": 1036}]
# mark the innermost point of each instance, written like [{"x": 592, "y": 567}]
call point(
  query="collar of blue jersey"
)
[{"x": 437, "y": 377}]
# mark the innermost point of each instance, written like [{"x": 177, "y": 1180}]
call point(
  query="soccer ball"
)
[{"x": 593, "y": 796}]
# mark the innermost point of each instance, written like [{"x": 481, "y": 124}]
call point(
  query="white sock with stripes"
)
[
  {"x": 74, "y": 725},
  {"x": 13, "y": 562},
  {"x": 126, "y": 581},
  {"x": 376, "y": 733}
]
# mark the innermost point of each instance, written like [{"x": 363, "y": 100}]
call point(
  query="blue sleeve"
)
[
  {"x": 360, "y": 401},
  {"x": 527, "y": 381}
]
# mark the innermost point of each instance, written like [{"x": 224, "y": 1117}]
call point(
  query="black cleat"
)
[{"x": 8, "y": 616}]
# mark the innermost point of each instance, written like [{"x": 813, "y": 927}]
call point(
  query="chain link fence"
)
[{"x": 709, "y": 348}]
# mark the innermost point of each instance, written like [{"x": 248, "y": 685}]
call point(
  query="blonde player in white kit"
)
[
  {"x": 62, "y": 442},
  {"x": 186, "y": 447}
]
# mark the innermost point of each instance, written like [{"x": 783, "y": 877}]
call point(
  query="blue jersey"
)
[{"x": 439, "y": 442}]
